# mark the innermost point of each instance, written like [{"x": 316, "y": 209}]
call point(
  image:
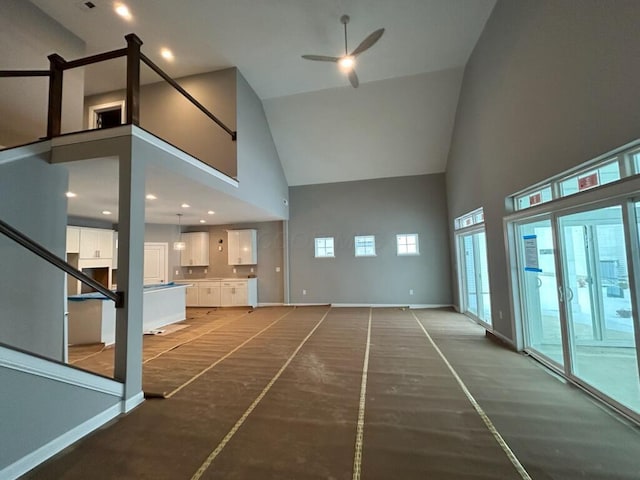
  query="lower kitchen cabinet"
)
[
  {"x": 209, "y": 294},
  {"x": 229, "y": 292}
]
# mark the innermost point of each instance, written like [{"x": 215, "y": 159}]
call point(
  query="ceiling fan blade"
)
[
  {"x": 320, "y": 58},
  {"x": 353, "y": 78},
  {"x": 368, "y": 42}
]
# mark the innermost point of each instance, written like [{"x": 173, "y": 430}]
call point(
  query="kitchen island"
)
[{"x": 92, "y": 316}]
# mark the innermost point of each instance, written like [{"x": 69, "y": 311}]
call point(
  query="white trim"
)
[
  {"x": 16, "y": 153},
  {"x": 185, "y": 157},
  {"x": 271, "y": 304},
  {"x": 105, "y": 107},
  {"x": 23, "y": 362},
  {"x": 100, "y": 134},
  {"x": 131, "y": 403},
  {"x": 502, "y": 337},
  {"x": 58, "y": 444},
  {"x": 388, "y": 305}
]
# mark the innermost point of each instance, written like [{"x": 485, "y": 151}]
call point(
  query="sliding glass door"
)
[
  {"x": 474, "y": 272},
  {"x": 575, "y": 296},
  {"x": 598, "y": 303},
  {"x": 539, "y": 288}
]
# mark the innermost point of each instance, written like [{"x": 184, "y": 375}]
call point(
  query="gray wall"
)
[
  {"x": 27, "y": 37},
  {"x": 384, "y": 208},
  {"x": 37, "y": 410},
  {"x": 270, "y": 256},
  {"x": 168, "y": 115},
  {"x": 32, "y": 291},
  {"x": 551, "y": 84},
  {"x": 261, "y": 177}
]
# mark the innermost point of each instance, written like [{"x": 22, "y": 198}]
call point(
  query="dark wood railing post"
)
[
  {"x": 133, "y": 79},
  {"x": 54, "y": 115}
]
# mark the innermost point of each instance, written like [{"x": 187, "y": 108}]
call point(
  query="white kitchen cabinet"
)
[
  {"x": 73, "y": 239},
  {"x": 96, "y": 243},
  {"x": 196, "y": 252},
  {"x": 234, "y": 293},
  {"x": 242, "y": 247},
  {"x": 209, "y": 294},
  {"x": 192, "y": 297}
]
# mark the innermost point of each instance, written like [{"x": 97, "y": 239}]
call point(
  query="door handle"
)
[
  {"x": 570, "y": 293},
  {"x": 561, "y": 294}
]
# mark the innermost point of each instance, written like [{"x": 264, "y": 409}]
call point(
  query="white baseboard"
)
[
  {"x": 506, "y": 340},
  {"x": 133, "y": 402},
  {"x": 391, "y": 305},
  {"x": 58, "y": 444},
  {"x": 271, "y": 304}
]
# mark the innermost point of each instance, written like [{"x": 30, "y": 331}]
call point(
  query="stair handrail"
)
[{"x": 53, "y": 259}]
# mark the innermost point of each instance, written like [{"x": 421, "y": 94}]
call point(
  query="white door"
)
[{"x": 155, "y": 263}]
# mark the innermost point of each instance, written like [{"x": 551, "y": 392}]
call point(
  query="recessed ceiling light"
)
[
  {"x": 166, "y": 54},
  {"x": 71, "y": 194},
  {"x": 106, "y": 212},
  {"x": 185, "y": 205},
  {"x": 122, "y": 10},
  {"x": 203, "y": 221},
  {"x": 211, "y": 212},
  {"x": 151, "y": 196}
]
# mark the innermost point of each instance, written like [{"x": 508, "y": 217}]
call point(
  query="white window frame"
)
[
  {"x": 406, "y": 244},
  {"x": 320, "y": 251},
  {"x": 94, "y": 110},
  {"x": 363, "y": 248}
]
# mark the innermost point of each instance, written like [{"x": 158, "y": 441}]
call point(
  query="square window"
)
[
  {"x": 407, "y": 244},
  {"x": 365, "y": 246},
  {"x": 324, "y": 247}
]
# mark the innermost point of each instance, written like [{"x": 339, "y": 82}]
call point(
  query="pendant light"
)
[{"x": 179, "y": 245}]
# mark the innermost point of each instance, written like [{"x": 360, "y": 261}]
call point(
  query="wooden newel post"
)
[
  {"x": 54, "y": 115},
  {"x": 133, "y": 79}
]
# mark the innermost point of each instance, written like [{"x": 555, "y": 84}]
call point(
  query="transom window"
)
[
  {"x": 324, "y": 247},
  {"x": 407, "y": 244},
  {"x": 365, "y": 246},
  {"x": 469, "y": 219},
  {"x": 611, "y": 167}
]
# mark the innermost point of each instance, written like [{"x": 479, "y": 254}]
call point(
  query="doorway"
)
[{"x": 156, "y": 259}]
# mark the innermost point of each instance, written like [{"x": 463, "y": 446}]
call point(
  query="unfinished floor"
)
[{"x": 347, "y": 393}]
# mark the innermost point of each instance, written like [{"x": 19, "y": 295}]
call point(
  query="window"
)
[
  {"x": 407, "y": 244},
  {"x": 469, "y": 219},
  {"x": 365, "y": 246},
  {"x": 324, "y": 247}
]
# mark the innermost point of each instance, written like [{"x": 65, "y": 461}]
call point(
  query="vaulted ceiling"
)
[{"x": 398, "y": 122}]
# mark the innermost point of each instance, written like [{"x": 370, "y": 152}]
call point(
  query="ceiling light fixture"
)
[
  {"x": 106, "y": 212},
  {"x": 203, "y": 221},
  {"x": 167, "y": 54},
  {"x": 70, "y": 194},
  {"x": 122, "y": 10},
  {"x": 346, "y": 63},
  {"x": 179, "y": 245},
  {"x": 151, "y": 196},
  {"x": 211, "y": 212},
  {"x": 185, "y": 205}
]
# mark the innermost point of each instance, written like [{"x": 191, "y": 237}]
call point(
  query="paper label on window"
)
[
  {"x": 531, "y": 253},
  {"x": 588, "y": 181},
  {"x": 535, "y": 199}
]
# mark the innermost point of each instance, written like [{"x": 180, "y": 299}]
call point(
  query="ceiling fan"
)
[{"x": 347, "y": 61}]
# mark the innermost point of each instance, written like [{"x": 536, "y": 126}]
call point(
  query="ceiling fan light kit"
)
[{"x": 346, "y": 63}]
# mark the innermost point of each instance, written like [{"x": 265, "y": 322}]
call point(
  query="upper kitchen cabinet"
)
[
  {"x": 96, "y": 243},
  {"x": 242, "y": 247},
  {"x": 73, "y": 239},
  {"x": 196, "y": 251}
]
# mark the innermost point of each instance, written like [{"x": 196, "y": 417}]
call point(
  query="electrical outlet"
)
[
  {"x": 277, "y": 269},
  {"x": 411, "y": 291},
  {"x": 304, "y": 292},
  {"x": 177, "y": 272},
  {"x": 234, "y": 270},
  {"x": 190, "y": 271},
  {"x": 205, "y": 270},
  {"x": 500, "y": 314},
  {"x": 251, "y": 269}
]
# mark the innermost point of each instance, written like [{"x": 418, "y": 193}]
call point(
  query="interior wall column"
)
[{"x": 128, "y": 353}]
